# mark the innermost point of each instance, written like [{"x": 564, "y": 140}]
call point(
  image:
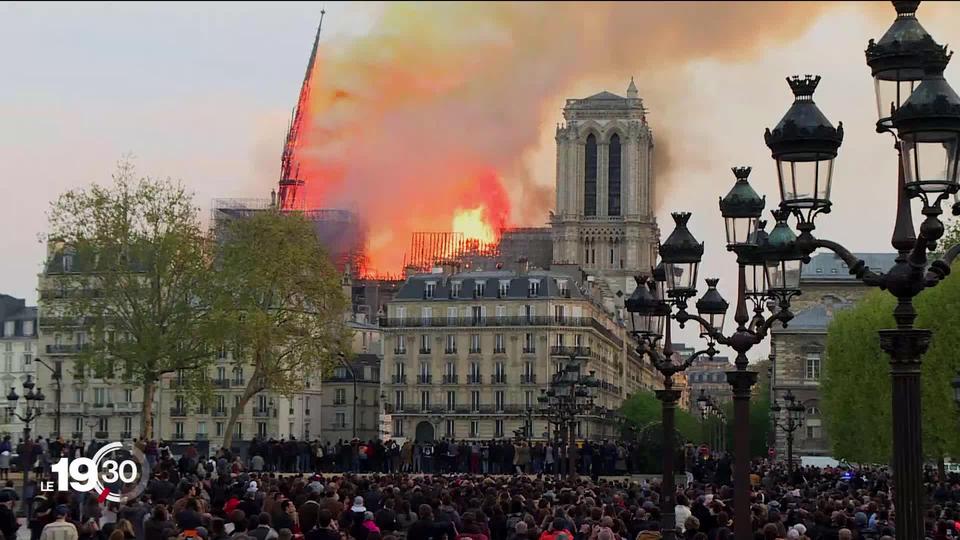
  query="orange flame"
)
[{"x": 472, "y": 225}]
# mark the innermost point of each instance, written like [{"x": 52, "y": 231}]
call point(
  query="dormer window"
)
[
  {"x": 455, "y": 289},
  {"x": 534, "y": 288},
  {"x": 562, "y": 287},
  {"x": 504, "y": 288},
  {"x": 429, "y": 289},
  {"x": 479, "y": 288}
]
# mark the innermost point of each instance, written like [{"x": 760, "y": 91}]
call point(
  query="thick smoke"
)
[{"x": 413, "y": 121}]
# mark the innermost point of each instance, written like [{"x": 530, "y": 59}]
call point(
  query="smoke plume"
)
[{"x": 441, "y": 105}]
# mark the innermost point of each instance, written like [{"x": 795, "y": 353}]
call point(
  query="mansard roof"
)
[{"x": 519, "y": 285}]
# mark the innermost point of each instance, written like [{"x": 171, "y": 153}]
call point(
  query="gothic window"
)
[
  {"x": 590, "y": 177},
  {"x": 613, "y": 178}
]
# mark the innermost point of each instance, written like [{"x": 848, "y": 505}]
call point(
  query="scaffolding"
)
[
  {"x": 341, "y": 232},
  {"x": 429, "y": 249}
]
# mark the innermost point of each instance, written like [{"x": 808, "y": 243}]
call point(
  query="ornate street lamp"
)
[
  {"x": 681, "y": 255},
  {"x": 32, "y": 411},
  {"x": 741, "y": 209},
  {"x": 907, "y": 67},
  {"x": 928, "y": 126},
  {"x": 570, "y": 395},
  {"x": 804, "y": 144},
  {"x": 788, "y": 418}
]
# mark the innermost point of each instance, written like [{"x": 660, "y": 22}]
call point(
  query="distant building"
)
[
  {"x": 709, "y": 375},
  {"x": 467, "y": 354},
  {"x": 95, "y": 404},
  {"x": 353, "y": 410},
  {"x": 798, "y": 351},
  {"x": 20, "y": 348}
]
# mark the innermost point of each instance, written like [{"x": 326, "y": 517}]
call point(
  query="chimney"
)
[{"x": 523, "y": 266}]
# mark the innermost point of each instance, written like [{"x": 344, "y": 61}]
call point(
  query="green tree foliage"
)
[
  {"x": 278, "y": 304},
  {"x": 856, "y": 382},
  {"x": 130, "y": 274},
  {"x": 643, "y": 409}
]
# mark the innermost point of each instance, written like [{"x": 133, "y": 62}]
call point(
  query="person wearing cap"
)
[{"x": 60, "y": 528}]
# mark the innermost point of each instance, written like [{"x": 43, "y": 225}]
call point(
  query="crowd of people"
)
[
  {"x": 502, "y": 456},
  {"x": 224, "y": 496}
]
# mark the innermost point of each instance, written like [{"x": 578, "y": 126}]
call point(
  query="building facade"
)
[
  {"x": 710, "y": 376},
  {"x": 467, "y": 354},
  {"x": 798, "y": 351},
  {"x": 604, "y": 220},
  {"x": 353, "y": 409},
  {"x": 19, "y": 347}
]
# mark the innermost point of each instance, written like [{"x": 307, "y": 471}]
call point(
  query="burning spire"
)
[{"x": 292, "y": 196}]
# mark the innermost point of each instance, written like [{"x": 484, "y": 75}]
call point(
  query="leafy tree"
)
[
  {"x": 134, "y": 274},
  {"x": 643, "y": 408},
  {"x": 856, "y": 386},
  {"x": 278, "y": 303}
]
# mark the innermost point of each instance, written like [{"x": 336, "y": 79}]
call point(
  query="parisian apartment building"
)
[
  {"x": 18, "y": 345},
  {"x": 466, "y": 354}
]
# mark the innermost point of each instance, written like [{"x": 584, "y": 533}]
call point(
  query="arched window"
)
[
  {"x": 613, "y": 177},
  {"x": 590, "y": 177}
]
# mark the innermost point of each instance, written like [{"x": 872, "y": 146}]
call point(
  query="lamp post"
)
[
  {"x": 789, "y": 418},
  {"x": 31, "y": 412},
  {"x": 918, "y": 107},
  {"x": 32, "y": 409},
  {"x": 57, "y": 379},
  {"x": 569, "y": 396},
  {"x": 772, "y": 263},
  {"x": 704, "y": 405}
]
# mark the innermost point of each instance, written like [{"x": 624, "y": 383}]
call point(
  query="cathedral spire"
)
[
  {"x": 632, "y": 90},
  {"x": 290, "y": 193}
]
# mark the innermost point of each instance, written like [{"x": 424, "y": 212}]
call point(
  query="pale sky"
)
[{"x": 202, "y": 92}]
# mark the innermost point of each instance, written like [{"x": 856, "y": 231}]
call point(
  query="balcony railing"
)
[
  {"x": 424, "y": 351},
  {"x": 474, "y": 378},
  {"x": 499, "y": 350},
  {"x": 398, "y": 350},
  {"x": 516, "y": 410},
  {"x": 126, "y": 435},
  {"x": 101, "y": 435},
  {"x": 475, "y": 350},
  {"x": 238, "y": 382},
  {"x": 528, "y": 378},
  {"x": 67, "y": 348},
  {"x": 201, "y": 436},
  {"x": 562, "y": 350},
  {"x": 219, "y": 411},
  {"x": 399, "y": 379},
  {"x": 451, "y": 379},
  {"x": 178, "y": 411},
  {"x": 339, "y": 401},
  {"x": 529, "y": 350},
  {"x": 424, "y": 379},
  {"x": 77, "y": 435},
  {"x": 498, "y": 378},
  {"x": 260, "y": 413},
  {"x": 221, "y": 383}
]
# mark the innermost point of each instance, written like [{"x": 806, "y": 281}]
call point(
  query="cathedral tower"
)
[{"x": 604, "y": 220}]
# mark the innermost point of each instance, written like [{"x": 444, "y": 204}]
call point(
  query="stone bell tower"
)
[{"x": 604, "y": 220}]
